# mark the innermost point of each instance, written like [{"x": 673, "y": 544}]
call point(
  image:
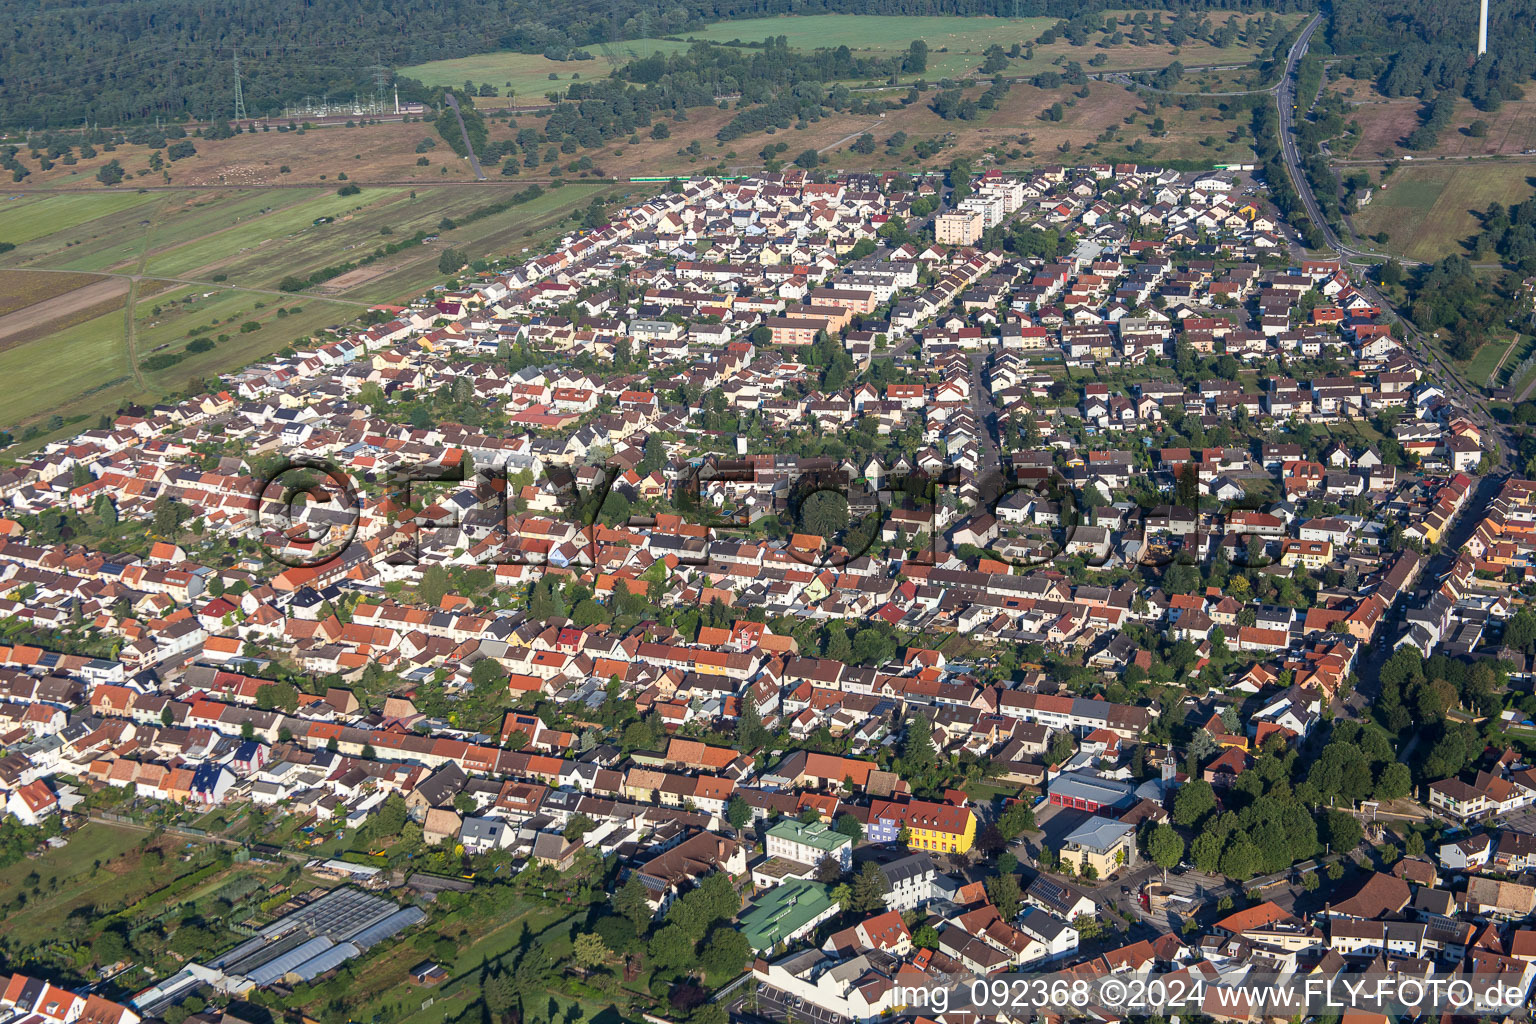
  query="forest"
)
[
  {"x": 1423, "y": 49},
  {"x": 114, "y": 64}
]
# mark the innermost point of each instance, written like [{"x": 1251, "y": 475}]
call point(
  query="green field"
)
[
  {"x": 526, "y": 75},
  {"x": 955, "y": 45},
  {"x": 1428, "y": 209},
  {"x": 84, "y": 365},
  {"x": 68, "y": 879},
  {"x": 25, "y": 218},
  {"x": 251, "y": 239}
]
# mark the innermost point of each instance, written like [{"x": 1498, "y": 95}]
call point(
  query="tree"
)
[
  {"x": 1394, "y": 782},
  {"x": 925, "y": 937},
  {"x": 450, "y": 261},
  {"x": 849, "y": 826},
  {"x": 1343, "y": 833},
  {"x": 671, "y": 948},
  {"x": 868, "y": 889},
  {"x": 1520, "y": 631},
  {"x": 633, "y": 902},
  {"x": 1194, "y": 801},
  {"x": 1165, "y": 846},
  {"x": 916, "y": 60},
  {"x": 500, "y": 994},
  {"x": 726, "y": 952},
  {"x": 487, "y": 675},
  {"x": 738, "y": 812},
  {"x": 808, "y": 159},
  {"x": 916, "y": 754},
  {"x": 270, "y": 696},
  {"x": 589, "y": 951},
  {"x": 1017, "y": 819},
  {"x": 434, "y": 585},
  {"x": 1005, "y": 894}
]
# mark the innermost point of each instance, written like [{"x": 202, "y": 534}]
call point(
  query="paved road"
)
[
  {"x": 1436, "y": 366},
  {"x": 850, "y": 137},
  {"x": 986, "y": 414},
  {"x": 469, "y": 147}
]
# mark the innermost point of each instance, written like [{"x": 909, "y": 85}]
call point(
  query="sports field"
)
[{"x": 1428, "y": 209}]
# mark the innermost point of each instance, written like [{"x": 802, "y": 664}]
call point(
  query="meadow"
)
[
  {"x": 1428, "y": 210},
  {"x": 955, "y": 45}
]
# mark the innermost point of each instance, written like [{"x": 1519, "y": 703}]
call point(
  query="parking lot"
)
[{"x": 780, "y": 1006}]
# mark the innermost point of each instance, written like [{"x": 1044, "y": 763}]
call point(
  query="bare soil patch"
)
[
  {"x": 20, "y": 288},
  {"x": 79, "y": 304}
]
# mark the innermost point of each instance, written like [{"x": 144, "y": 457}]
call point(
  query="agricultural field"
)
[
  {"x": 1427, "y": 210},
  {"x": 19, "y": 290},
  {"x": 207, "y": 264},
  {"x": 317, "y": 156}
]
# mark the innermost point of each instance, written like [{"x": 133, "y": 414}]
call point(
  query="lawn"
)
[
  {"x": 1428, "y": 209},
  {"x": 525, "y": 76},
  {"x": 1480, "y": 367},
  {"x": 83, "y": 366}
]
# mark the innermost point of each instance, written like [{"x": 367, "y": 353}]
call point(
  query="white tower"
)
[{"x": 1482, "y": 28}]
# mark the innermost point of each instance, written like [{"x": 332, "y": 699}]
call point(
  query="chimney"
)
[{"x": 1482, "y": 28}]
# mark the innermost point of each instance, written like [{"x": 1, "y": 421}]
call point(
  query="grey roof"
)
[
  {"x": 1087, "y": 786},
  {"x": 276, "y": 968},
  {"x": 1042, "y": 925},
  {"x": 911, "y": 866},
  {"x": 1099, "y": 833},
  {"x": 395, "y": 923},
  {"x": 327, "y": 960}
]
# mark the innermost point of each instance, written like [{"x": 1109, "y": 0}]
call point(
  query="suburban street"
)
[{"x": 1436, "y": 365}]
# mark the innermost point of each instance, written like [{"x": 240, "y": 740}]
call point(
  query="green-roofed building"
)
[
  {"x": 786, "y": 913},
  {"x": 809, "y": 843}
]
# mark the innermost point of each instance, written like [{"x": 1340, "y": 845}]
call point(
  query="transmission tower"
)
[
  {"x": 239, "y": 96},
  {"x": 381, "y": 78}
]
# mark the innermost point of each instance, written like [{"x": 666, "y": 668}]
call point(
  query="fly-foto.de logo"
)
[{"x": 822, "y": 513}]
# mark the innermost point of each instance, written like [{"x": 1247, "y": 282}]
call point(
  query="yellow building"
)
[{"x": 933, "y": 827}]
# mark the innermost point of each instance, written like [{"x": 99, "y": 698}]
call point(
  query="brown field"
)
[
  {"x": 89, "y": 297},
  {"x": 315, "y": 157},
  {"x": 18, "y": 291},
  {"x": 386, "y": 152},
  {"x": 1385, "y": 123},
  {"x": 1014, "y": 126}
]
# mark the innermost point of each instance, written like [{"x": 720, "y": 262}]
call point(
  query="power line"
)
[{"x": 239, "y": 96}]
